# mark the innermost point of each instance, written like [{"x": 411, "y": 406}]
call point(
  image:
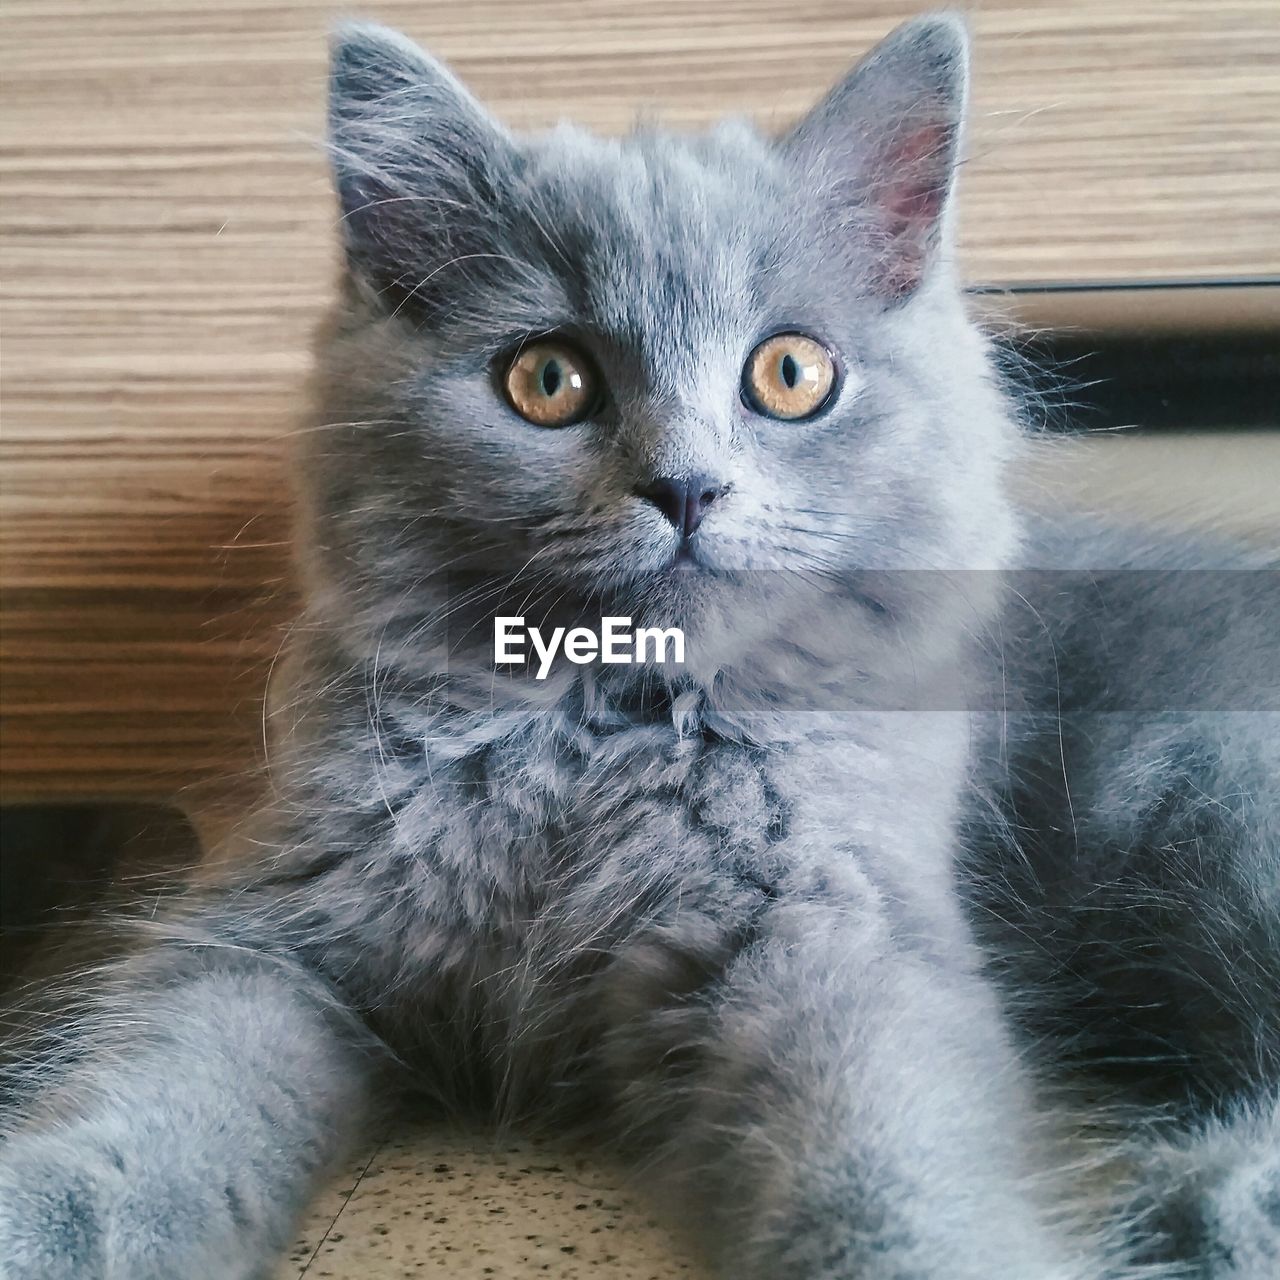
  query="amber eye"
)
[
  {"x": 789, "y": 376},
  {"x": 550, "y": 384}
]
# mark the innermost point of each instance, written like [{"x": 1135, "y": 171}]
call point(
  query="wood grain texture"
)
[{"x": 167, "y": 247}]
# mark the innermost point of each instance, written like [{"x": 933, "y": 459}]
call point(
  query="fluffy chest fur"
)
[{"x": 488, "y": 884}]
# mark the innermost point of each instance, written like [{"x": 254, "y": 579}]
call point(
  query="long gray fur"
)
[{"x": 707, "y": 916}]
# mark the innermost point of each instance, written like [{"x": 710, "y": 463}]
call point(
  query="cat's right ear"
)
[
  {"x": 418, "y": 164},
  {"x": 881, "y": 150}
]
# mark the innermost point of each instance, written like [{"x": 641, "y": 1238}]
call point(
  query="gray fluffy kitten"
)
[{"x": 710, "y": 912}]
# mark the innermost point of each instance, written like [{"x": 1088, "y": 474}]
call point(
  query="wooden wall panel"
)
[{"x": 166, "y": 249}]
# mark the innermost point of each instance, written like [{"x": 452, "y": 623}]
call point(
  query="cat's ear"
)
[
  {"x": 418, "y": 164},
  {"x": 882, "y": 147}
]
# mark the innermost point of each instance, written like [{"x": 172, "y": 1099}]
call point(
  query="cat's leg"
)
[
  {"x": 1208, "y": 1193},
  {"x": 1145, "y": 915},
  {"x": 1192, "y": 806},
  {"x": 183, "y": 1134},
  {"x": 837, "y": 1103}
]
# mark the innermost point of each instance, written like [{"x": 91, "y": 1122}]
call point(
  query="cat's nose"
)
[{"x": 683, "y": 500}]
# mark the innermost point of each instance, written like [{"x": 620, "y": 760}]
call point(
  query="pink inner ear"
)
[
  {"x": 915, "y": 168},
  {"x": 913, "y": 175}
]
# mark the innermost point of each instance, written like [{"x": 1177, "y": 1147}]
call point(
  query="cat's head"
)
[{"x": 626, "y": 367}]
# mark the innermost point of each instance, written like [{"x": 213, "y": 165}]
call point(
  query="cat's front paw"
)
[
  {"x": 50, "y": 1216},
  {"x": 79, "y": 1203}
]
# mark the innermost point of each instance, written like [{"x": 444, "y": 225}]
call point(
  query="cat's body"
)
[{"x": 708, "y": 914}]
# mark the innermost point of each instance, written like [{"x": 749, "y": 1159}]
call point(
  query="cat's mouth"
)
[{"x": 684, "y": 559}]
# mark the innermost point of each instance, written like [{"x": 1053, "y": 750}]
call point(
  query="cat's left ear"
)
[{"x": 882, "y": 147}]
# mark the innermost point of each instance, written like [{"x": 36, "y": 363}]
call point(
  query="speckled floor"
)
[{"x": 434, "y": 1203}]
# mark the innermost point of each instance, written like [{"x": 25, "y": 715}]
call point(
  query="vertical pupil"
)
[
  {"x": 790, "y": 370},
  {"x": 550, "y": 378}
]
